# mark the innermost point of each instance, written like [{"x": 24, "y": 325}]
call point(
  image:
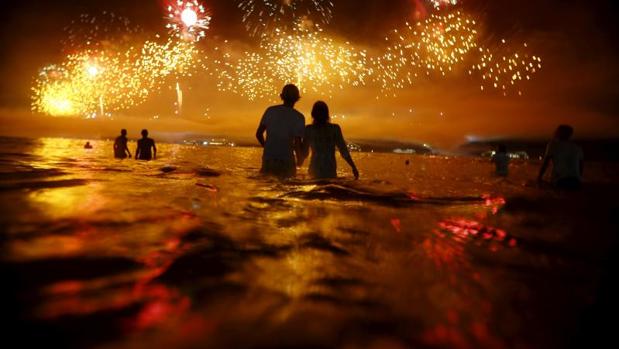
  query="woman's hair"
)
[{"x": 320, "y": 113}]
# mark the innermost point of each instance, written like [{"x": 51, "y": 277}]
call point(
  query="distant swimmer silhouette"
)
[
  {"x": 87, "y": 145},
  {"x": 121, "y": 151},
  {"x": 284, "y": 127},
  {"x": 501, "y": 161},
  {"x": 323, "y": 137},
  {"x": 567, "y": 160},
  {"x": 143, "y": 150}
]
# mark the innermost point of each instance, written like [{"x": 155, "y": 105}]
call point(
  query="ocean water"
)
[{"x": 196, "y": 249}]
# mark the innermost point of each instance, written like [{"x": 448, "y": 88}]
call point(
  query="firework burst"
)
[
  {"x": 304, "y": 56},
  {"x": 96, "y": 83},
  {"x": 188, "y": 20},
  {"x": 438, "y": 44}
]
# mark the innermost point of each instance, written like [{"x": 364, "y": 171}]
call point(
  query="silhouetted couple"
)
[
  {"x": 288, "y": 141},
  {"x": 146, "y": 149}
]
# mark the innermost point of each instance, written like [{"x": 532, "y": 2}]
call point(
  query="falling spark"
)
[{"x": 264, "y": 16}]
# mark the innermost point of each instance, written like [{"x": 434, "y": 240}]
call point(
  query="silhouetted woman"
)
[{"x": 322, "y": 137}]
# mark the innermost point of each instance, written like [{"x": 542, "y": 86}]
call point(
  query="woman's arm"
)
[
  {"x": 303, "y": 152},
  {"x": 341, "y": 146}
]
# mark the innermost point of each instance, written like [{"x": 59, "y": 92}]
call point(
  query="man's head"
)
[
  {"x": 502, "y": 148},
  {"x": 144, "y": 133},
  {"x": 290, "y": 94},
  {"x": 564, "y": 132},
  {"x": 123, "y": 132}
]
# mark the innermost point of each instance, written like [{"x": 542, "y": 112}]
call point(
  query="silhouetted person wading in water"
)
[
  {"x": 323, "y": 137},
  {"x": 143, "y": 151},
  {"x": 284, "y": 127},
  {"x": 121, "y": 151},
  {"x": 567, "y": 160}
]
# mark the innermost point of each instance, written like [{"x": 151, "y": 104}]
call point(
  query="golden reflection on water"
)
[
  {"x": 252, "y": 256},
  {"x": 78, "y": 201}
]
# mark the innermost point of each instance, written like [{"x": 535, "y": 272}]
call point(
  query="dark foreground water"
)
[{"x": 197, "y": 250}]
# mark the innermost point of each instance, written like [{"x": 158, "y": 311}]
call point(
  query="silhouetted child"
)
[
  {"x": 567, "y": 160},
  {"x": 143, "y": 151},
  {"x": 501, "y": 160},
  {"x": 87, "y": 145}
]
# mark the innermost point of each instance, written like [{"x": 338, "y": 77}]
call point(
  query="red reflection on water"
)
[
  {"x": 464, "y": 229},
  {"x": 396, "y": 224},
  {"x": 484, "y": 337},
  {"x": 441, "y": 252},
  {"x": 445, "y": 336},
  {"x": 159, "y": 304},
  {"x": 413, "y": 196},
  {"x": 495, "y": 203}
]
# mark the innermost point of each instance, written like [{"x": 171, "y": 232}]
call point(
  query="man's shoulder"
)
[
  {"x": 299, "y": 114},
  {"x": 273, "y": 108}
]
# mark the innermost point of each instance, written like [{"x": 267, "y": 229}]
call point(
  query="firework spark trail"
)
[
  {"x": 188, "y": 20},
  {"x": 264, "y": 16}
]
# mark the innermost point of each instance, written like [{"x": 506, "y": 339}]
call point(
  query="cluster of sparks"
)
[
  {"x": 437, "y": 4},
  {"x": 98, "y": 77},
  {"x": 304, "y": 56},
  {"x": 504, "y": 68},
  {"x": 97, "y": 82},
  {"x": 188, "y": 20},
  {"x": 437, "y": 44},
  {"x": 260, "y": 16}
]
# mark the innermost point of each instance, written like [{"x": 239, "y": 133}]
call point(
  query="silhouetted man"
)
[
  {"x": 143, "y": 151},
  {"x": 284, "y": 127},
  {"x": 121, "y": 151},
  {"x": 567, "y": 160}
]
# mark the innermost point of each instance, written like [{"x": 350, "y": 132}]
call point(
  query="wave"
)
[{"x": 342, "y": 192}]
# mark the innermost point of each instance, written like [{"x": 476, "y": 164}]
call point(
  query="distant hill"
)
[
  {"x": 594, "y": 149},
  {"x": 362, "y": 145}
]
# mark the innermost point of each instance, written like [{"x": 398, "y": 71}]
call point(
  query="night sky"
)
[{"x": 578, "y": 84}]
